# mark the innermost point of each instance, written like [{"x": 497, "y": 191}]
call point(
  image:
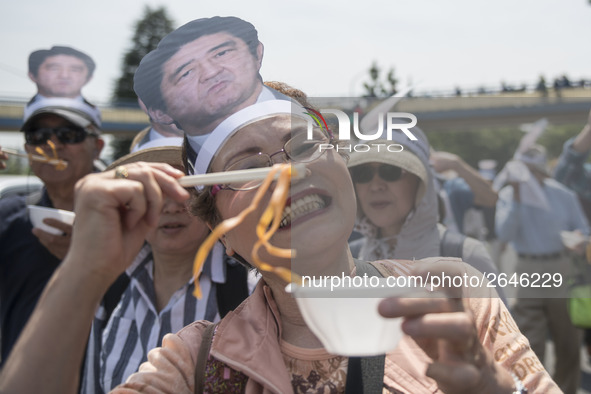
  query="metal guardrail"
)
[
  {"x": 434, "y": 113},
  {"x": 115, "y": 120}
]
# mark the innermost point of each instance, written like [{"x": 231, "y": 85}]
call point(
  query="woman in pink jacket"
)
[
  {"x": 454, "y": 344},
  {"x": 265, "y": 346}
]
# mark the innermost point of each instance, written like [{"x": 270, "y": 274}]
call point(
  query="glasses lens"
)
[
  {"x": 362, "y": 173},
  {"x": 38, "y": 137},
  {"x": 365, "y": 173},
  {"x": 390, "y": 173},
  {"x": 303, "y": 150},
  {"x": 70, "y": 134},
  {"x": 65, "y": 134},
  {"x": 260, "y": 160}
]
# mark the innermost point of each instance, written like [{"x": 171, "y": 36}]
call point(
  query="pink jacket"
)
[{"x": 247, "y": 340}]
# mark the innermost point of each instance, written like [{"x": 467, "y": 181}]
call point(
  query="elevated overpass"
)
[
  {"x": 503, "y": 110},
  {"x": 115, "y": 120},
  {"x": 475, "y": 112},
  {"x": 433, "y": 114}
]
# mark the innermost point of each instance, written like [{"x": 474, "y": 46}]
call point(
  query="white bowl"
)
[
  {"x": 346, "y": 319},
  {"x": 37, "y": 214}
]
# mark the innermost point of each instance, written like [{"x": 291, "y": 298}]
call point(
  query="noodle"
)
[
  {"x": 60, "y": 165},
  {"x": 271, "y": 215}
]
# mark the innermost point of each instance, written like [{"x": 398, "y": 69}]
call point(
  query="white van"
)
[{"x": 19, "y": 185}]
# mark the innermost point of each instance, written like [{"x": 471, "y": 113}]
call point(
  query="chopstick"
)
[
  {"x": 14, "y": 152},
  {"x": 220, "y": 178}
]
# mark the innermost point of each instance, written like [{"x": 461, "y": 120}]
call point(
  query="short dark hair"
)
[
  {"x": 38, "y": 57},
  {"x": 148, "y": 76}
]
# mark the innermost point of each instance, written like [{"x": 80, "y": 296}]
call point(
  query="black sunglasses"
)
[
  {"x": 365, "y": 173},
  {"x": 65, "y": 134}
]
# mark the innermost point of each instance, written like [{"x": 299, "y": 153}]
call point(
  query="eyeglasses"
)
[
  {"x": 65, "y": 134},
  {"x": 298, "y": 149},
  {"x": 365, "y": 173}
]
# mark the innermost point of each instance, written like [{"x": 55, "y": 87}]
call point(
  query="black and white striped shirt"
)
[{"x": 117, "y": 348}]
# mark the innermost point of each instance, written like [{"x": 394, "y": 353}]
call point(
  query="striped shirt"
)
[{"x": 116, "y": 348}]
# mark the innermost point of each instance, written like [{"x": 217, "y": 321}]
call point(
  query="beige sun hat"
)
[
  {"x": 162, "y": 150},
  {"x": 405, "y": 159}
]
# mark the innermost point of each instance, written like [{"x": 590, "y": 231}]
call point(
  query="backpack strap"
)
[
  {"x": 452, "y": 244},
  {"x": 234, "y": 290},
  {"x": 365, "y": 374},
  {"x": 202, "y": 357},
  {"x": 355, "y": 246}
]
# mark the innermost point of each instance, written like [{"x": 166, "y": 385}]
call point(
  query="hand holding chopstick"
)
[{"x": 56, "y": 161}]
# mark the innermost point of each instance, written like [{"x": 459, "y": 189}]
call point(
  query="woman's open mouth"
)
[{"x": 302, "y": 208}]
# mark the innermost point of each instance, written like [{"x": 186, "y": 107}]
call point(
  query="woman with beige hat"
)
[{"x": 398, "y": 209}]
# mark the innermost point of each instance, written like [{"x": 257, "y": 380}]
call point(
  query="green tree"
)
[
  {"x": 149, "y": 30},
  {"x": 376, "y": 87},
  {"x": 498, "y": 143}
]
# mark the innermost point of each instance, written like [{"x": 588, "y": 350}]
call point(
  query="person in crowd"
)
[
  {"x": 397, "y": 207},
  {"x": 453, "y": 344},
  {"x": 531, "y": 212},
  {"x": 572, "y": 168},
  {"x": 574, "y": 172},
  {"x": 29, "y": 256},
  {"x": 468, "y": 189},
  {"x": 61, "y": 72},
  {"x": 157, "y": 298}
]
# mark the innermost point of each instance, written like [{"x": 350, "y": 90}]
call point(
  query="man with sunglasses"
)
[{"x": 28, "y": 256}]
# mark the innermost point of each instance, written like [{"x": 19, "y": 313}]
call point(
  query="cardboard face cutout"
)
[
  {"x": 201, "y": 73},
  {"x": 60, "y": 73}
]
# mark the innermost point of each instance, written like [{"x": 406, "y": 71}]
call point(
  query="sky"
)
[{"x": 325, "y": 48}]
